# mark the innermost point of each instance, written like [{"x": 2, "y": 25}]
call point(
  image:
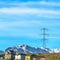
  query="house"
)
[
  {"x": 34, "y": 57},
  {"x": 13, "y": 53},
  {"x": 1, "y": 55},
  {"x": 31, "y": 57},
  {"x": 9, "y": 55},
  {"x": 41, "y": 57},
  {"x": 19, "y": 56},
  {"x": 27, "y": 57}
]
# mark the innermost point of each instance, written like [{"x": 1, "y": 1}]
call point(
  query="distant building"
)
[
  {"x": 1, "y": 55},
  {"x": 9, "y": 55},
  {"x": 31, "y": 57},
  {"x": 41, "y": 57},
  {"x": 19, "y": 56},
  {"x": 27, "y": 57}
]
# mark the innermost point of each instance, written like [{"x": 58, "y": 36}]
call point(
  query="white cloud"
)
[
  {"x": 31, "y": 11},
  {"x": 27, "y": 11},
  {"x": 24, "y": 8},
  {"x": 50, "y": 3}
]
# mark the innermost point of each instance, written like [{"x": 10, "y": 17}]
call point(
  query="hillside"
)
[{"x": 52, "y": 56}]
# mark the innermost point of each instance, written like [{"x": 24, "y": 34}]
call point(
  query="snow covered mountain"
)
[
  {"x": 54, "y": 51},
  {"x": 25, "y": 49},
  {"x": 29, "y": 49}
]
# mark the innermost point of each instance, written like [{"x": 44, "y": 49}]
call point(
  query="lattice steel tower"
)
[{"x": 44, "y": 36}]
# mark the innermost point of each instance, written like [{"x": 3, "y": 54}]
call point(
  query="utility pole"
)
[{"x": 44, "y": 37}]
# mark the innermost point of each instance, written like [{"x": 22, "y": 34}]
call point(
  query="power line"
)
[{"x": 44, "y": 36}]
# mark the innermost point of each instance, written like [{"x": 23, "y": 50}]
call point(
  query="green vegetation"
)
[{"x": 52, "y": 56}]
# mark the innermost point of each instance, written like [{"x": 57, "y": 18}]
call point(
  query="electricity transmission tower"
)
[{"x": 44, "y": 36}]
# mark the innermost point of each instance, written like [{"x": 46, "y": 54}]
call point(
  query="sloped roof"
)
[{"x": 1, "y": 53}]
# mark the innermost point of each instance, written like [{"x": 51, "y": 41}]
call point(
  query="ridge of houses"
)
[{"x": 15, "y": 55}]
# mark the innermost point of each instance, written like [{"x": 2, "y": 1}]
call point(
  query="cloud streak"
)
[
  {"x": 30, "y": 3},
  {"x": 27, "y": 8},
  {"x": 30, "y": 11}
]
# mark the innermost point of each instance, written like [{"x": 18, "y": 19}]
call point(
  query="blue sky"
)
[{"x": 21, "y": 21}]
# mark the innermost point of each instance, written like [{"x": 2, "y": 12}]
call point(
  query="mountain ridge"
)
[{"x": 26, "y": 49}]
